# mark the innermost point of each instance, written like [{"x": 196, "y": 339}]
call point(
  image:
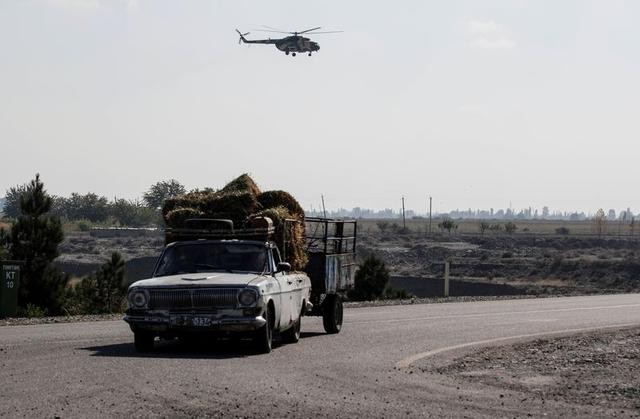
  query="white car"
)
[{"x": 219, "y": 287}]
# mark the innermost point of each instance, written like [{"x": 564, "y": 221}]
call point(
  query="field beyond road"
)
[{"x": 373, "y": 368}]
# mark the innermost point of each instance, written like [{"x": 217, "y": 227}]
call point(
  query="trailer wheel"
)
[
  {"x": 263, "y": 336},
  {"x": 143, "y": 341},
  {"x": 332, "y": 313}
]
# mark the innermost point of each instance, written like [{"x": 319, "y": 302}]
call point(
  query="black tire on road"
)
[
  {"x": 292, "y": 335},
  {"x": 332, "y": 313},
  {"x": 264, "y": 336},
  {"x": 143, "y": 341}
]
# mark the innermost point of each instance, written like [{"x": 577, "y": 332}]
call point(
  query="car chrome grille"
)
[{"x": 168, "y": 299}]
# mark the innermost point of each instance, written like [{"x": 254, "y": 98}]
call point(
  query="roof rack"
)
[{"x": 261, "y": 228}]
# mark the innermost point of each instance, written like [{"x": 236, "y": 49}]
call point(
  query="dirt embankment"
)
[
  {"x": 599, "y": 372},
  {"x": 533, "y": 264},
  {"x": 82, "y": 254}
]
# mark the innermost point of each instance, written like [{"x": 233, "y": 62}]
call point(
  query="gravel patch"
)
[
  {"x": 598, "y": 370},
  {"x": 23, "y": 321}
]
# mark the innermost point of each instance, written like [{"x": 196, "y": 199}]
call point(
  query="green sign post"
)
[{"x": 9, "y": 281}]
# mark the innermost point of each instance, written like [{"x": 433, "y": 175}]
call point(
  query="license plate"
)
[
  {"x": 190, "y": 321},
  {"x": 201, "y": 321}
]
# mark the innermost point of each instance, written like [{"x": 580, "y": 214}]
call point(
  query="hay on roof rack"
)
[
  {"x": 288, "y": 236},
  {"x": 272, "y": 199},
  {"x": 176, "y": 218},
  {"x": 239, "y": 201},
  {"x": 242, "y": 183}
]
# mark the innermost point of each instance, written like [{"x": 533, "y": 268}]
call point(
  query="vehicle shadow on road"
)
[
  {"x": 178, "y": 349},
  {"x": 304, "y": 335},
  {"x": 191, "y": 349}
]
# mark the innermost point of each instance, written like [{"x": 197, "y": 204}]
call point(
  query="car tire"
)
[
  {"x": 263, "y": 337},
  {"x": 143, "y": 341},
  {"x": 292, "y": 334},
  {"x": 332, "y": 313}
]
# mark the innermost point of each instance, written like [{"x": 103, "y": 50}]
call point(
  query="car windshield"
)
[{"x": 212, "y": 257}]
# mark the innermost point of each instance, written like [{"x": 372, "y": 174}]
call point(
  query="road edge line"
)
[{"x": 406, "y": 362}]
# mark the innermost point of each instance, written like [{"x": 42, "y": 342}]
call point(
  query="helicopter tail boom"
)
[{"x": 254, "y": 41}]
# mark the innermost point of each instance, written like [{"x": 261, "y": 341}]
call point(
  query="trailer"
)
[{"x": 331, "y": 246}]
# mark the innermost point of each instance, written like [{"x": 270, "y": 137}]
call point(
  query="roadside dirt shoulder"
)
[{"x": 598, "y": 371}]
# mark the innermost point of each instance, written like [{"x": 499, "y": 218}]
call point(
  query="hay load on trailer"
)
[{"x": 242, "y": 202}]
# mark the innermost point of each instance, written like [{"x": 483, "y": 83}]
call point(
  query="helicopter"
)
[{"x": 291, "y": 44}]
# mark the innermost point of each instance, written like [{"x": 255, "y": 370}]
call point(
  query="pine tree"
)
[
  {"x": 100, "y": 292},
  {"x": 35, "y": 237},
  {"x": 109, "y": 281}
]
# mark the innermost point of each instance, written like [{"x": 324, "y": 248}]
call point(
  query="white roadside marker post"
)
[{"x": 446, "y": 278}]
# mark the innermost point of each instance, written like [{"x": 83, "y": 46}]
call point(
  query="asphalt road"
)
[{"x": 371, "y": 369}]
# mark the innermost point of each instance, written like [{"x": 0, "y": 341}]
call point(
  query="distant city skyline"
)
[{"x": 501, "y": 213}]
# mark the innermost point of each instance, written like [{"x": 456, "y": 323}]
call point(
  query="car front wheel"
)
[
  {"x": 264, "y": 336},
  {"x": 292, "y": 334}
]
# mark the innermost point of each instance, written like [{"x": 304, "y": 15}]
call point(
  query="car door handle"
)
[
  {"x": 289, "y": 282},
  {"x": 299, "y": 281}
]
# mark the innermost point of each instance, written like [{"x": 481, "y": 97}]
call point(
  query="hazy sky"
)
[{"x": 477, "y": 103}]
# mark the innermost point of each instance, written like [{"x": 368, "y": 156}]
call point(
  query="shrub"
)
[
  {"x": 383, "y": 226},
  {"x": 391, "y": 293},
  {"x": 562, "y": 231},
  {"x": 371, "y": 280},
  {"x": 447, "y": 224},
  {"x": 31, "y": 311},
  {"x": 483, "y": 226},
  {"x": 556, "y": 263},
  {"x": 84, "y": 225},
  {"x": 102, "y": 292},
  {"x": 510, "y": 227}
]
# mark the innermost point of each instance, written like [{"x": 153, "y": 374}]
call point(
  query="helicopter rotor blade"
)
[
  {"x": 309, "y": 30},
  {"x": 320, "y": 33},
  {"x": 275, "y": 29},
  {"x": 265, "y": 30}
]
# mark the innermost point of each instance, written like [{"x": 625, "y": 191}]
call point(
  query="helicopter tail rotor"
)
[{"x": 242, "y": 35}]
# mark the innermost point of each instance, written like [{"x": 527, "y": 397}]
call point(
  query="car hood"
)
[{"x": 199, "y": 280}]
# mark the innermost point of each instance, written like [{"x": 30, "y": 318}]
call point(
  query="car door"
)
[{"x": 287, "y": 291}]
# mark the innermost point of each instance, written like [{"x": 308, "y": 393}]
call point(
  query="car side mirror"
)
[{"x": 284, "y": 267}]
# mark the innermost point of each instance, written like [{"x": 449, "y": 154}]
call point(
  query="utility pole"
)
[
  {"x": 430, "y": 202},
  {"x": 446, "y": 277},
  {"x": 404, "y": 221},
  {"x": 324, "y": 211}
]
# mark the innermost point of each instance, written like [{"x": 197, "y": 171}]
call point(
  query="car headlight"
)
[
  {"x": 247, "y": 297},
  {"x": 138, "y": 298}
]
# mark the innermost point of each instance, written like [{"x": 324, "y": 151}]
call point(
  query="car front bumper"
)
[{"x": 192, "y": 322}]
